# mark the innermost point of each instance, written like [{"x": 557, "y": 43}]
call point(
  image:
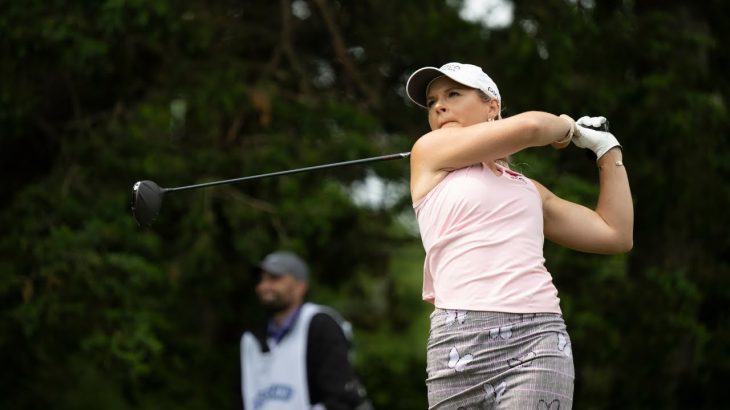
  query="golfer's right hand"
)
[
  {"x": 562, "y": 143},
  {"x": 592, "y": 133}
]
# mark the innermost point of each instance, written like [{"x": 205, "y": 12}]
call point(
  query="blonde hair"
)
[{"x": 485, "y": 97}]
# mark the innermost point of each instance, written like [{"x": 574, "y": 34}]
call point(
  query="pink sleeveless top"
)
[{"x": 483, "y": 236}]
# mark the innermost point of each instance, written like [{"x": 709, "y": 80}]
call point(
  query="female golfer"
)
[{"x": 498, "y": 339}]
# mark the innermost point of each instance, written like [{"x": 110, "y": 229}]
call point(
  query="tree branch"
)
[{"x": 343, "y": 56}]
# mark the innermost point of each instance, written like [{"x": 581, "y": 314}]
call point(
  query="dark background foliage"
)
[{"x": 98, "y": 313}]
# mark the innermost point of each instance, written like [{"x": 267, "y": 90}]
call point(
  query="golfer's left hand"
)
[{"x": 592, "y": 133}]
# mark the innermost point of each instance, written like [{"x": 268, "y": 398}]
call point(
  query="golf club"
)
[{"x": 147, "y": 195}]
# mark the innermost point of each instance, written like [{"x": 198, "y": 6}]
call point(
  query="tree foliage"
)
[{"x": 97, "y": 95}]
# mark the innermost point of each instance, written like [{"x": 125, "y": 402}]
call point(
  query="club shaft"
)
[{"x": 294, "y": 171}]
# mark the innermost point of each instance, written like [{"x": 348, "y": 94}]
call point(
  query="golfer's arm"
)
[
  {"x": 453, "y": 148},
  {"x": 609, "y": 228},
  {"x": 615, "y": 204}
]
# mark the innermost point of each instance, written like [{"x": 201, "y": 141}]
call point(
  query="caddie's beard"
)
[{"x": 275, "y": 305}]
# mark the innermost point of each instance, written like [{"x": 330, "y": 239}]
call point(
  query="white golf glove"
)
[{"x": 592, "y": 133}]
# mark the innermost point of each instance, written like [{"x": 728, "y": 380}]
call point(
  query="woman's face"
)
[{"x": 451, "y": 104}]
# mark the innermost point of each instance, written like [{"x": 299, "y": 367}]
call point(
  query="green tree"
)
[{"x": 96, "y": 95}]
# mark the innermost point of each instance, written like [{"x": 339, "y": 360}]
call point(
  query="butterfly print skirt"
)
[{"x": 494, "y": 360}]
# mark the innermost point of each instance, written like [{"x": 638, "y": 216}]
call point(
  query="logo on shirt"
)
[
  {"x": 515, "y": 176},
  {"x": 275, "y": 392}
]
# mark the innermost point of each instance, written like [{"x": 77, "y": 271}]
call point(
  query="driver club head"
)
[{"x": 146, "y": 202}]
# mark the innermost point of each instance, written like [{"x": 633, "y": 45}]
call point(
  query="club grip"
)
[{"x": 604, "y": 128}]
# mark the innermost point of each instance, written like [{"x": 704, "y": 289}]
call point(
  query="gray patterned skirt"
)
[{"x": 494, "y": 360}]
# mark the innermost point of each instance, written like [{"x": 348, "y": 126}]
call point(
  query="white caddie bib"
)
[{"x": 277, "y": 379}]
